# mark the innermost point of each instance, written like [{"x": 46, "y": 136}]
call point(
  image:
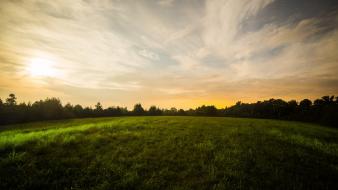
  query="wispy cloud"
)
[
  {"x": 165, "y": 51},
  {"x": 166, "y": 3}
]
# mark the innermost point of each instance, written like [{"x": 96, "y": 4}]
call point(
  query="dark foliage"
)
[
  {"x": 153, "y": 110},
  {"x": 323, "y": 110},
  {"x": 206, "y": 111},
  {"x": 138, "y": 110}
]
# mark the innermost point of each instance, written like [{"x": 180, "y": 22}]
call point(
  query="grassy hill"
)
[{"x": 168, "y": 153}]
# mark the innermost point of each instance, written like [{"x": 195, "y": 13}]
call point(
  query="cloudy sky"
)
[{"x": 168, "y": 52}]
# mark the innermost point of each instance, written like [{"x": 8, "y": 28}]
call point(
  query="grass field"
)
[{"x": 168, "y": 153}]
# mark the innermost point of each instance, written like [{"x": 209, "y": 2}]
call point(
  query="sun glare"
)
[{"x": 39, "y": 67}]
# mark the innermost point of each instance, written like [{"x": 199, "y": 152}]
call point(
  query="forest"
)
[{"x": 322, "y": 110}]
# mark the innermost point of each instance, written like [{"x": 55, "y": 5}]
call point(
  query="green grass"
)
[{"x": 168, "y": 153}]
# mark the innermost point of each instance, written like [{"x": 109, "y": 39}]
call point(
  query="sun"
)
[{"x": 40, "y": 67}]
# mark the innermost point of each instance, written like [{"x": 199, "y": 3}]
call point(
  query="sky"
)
[{"x": 182, "y": 53}]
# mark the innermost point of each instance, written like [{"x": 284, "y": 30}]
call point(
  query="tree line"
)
[{"x": 323, "y": 110}]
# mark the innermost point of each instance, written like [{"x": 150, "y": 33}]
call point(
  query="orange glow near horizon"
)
[{"x": 217, "y": 53}]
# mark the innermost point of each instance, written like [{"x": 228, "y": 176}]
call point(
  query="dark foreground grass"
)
[{"x": 168, "y": 153}]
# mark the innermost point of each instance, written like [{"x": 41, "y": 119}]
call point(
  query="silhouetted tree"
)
[
  {"x": 181, "y": 112},
  {"x": 292, "y": 104},
  {"x": 328, "y": 99},
  {"x": 78, "y": 111},
  {"x": 11, "y": 100},
  {"x": 138, "y": 110},
  {"x": 318, "y": 102},
  {"x": 68, "y": 111},
  {"x": 51, "y": 108},
  {"x": 304, "y": 111},
  {"x": 98, "y": 107},
  {"x": 153, "y": 110},
  {"x": 172, "y": 111},
  {"x": 305, "y": 104},
  {"x": 206, "y": 110},
  {"x": 98, "y": 110},
  {"x": 88, "y": 112},
  {"x": 115, "y": 111},
  {"x": 190, "y": 112},
  {"x": 324, "y": 110}
]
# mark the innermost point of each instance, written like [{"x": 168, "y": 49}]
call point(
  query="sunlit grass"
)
[{"x": 168, "y": 153}]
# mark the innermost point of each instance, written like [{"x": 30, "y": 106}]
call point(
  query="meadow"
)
[{"x": 168, "y": 152}]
